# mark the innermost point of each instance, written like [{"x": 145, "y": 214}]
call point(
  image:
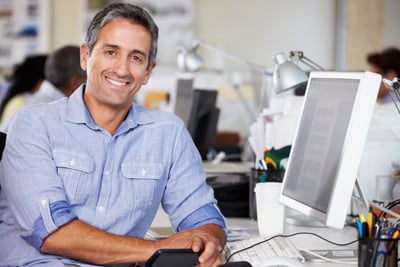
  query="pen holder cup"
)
[
  {"x": 259, "y": 176},
  {"x": 377, "y": 252}
]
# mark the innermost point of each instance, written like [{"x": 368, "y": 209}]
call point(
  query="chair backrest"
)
[{"x": 2, "y": 143}]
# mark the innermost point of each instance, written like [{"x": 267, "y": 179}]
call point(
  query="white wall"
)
[
  {"x": 258, "y": 29},
  {"x": 392, "y": 23},
  {"x": 67, "y": 22},
  {"x": 253, "y": 30}
]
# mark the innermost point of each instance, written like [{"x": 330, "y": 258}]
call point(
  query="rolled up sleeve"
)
[
  {"x": 31, "y": 184},
  {"x": 52, "y": 217},
  {"x": 208, "y": 214}
]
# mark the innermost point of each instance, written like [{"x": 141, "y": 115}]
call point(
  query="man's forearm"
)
[{"x": 80, "y": 241}]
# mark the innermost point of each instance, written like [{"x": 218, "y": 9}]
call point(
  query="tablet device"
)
[{"x": 173, "y": 257}]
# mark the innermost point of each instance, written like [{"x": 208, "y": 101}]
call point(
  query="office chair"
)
[
  {"x": 2, "y": 143},
  {"x": 236, "y": 264}
]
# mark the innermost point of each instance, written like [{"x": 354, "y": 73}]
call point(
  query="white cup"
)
[
  {"x": 270, "y": 212},
  {"x": 384, "y": 187}
]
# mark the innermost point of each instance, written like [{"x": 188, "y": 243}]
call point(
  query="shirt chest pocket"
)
[
  {"x": 140, "y": 183},
  {"x": 75, "y": 170}
]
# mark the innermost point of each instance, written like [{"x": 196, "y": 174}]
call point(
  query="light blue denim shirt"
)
[{"x": 59, "y": 165}]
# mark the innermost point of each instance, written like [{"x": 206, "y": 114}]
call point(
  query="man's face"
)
[{"x": 116, "y": 68}]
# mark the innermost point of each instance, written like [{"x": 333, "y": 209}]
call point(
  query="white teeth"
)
[{"x": 116, "y": 83}]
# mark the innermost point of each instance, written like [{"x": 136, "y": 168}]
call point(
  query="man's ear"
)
[
  {"x": 148, "y": 73},
  {"x": 84, "y": 55}
]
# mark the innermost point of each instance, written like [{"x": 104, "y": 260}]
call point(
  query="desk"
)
[
  {"x": 228, "y": 168},
  {"x": 344, "y": 235},
  {"x": 347, "y": 234}
]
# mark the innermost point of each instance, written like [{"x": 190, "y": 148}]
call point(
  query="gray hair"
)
[
  {"x": 62, "y": 64},
  {"x": 132, "y": 13}
]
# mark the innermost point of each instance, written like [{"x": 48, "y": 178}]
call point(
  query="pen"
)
[
  {"x": 381, "y": 253},
  {"x": 393, "y": 229},
  {"x": 263, "y": 178},
  {"x": 391, "y": 243},
  {"x": 360, "y": 229},
  {"x": 362, "y": 218},
  {"x": 370, "y": 220},
  {"x": 263, "y": 164},
  {"x": 393, "y": 234},
  {"x": 365, "y": 229},
  {"x": 376, "y": 231}
]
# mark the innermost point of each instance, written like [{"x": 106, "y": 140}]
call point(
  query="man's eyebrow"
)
[
  {"x": 134, "y": 51},
  {"x": 110, "y": 46},
  {"x": 141, "y": 52}
]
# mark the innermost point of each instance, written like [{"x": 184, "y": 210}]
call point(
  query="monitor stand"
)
[
  {"x": 296, "y": 218},
  {"x": 359, "y": 197},
  {"x": 359, "y": 203}
]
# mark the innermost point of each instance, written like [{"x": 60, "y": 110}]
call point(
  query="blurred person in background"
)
[
  {"x": 63, "y": 75},
  {"x": 25, "y": 81},
  {"x": 386, "y": 63},
  {"x": 383, "y": 140}
]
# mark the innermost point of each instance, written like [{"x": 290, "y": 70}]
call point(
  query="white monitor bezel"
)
[{"x": 352, "y": 149}]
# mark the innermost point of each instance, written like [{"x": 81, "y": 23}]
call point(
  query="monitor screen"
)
[
  {"x": 184, "y": 87},
  {"x": 328, "y": 144},
  {"x": 203, "y": 119}
]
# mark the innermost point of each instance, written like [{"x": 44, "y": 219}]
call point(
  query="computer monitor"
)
[
  {"x": 184, "y": 87},
  {"x": 203, "y": 119},
  {"x": 328, "y": 144}
]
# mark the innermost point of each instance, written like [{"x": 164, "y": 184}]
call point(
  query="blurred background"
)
[{"x": 337, "y": 34}]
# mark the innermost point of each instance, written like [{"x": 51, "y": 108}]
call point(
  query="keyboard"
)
[{"x": 276, "y": 247}]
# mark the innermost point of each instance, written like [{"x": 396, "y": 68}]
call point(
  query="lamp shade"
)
[
  {"x": 287, "y": 75},
  {"x": 188, "y": 60}
]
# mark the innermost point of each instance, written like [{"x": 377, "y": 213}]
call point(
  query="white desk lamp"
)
[
  {"x": 190, "y": 60},
  {"x": 287, "y": 73}
]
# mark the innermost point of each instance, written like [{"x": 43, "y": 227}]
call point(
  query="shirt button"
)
[
  {"x": 143, "y": 172},
  {"x": 107, "y": 172},
  {"x": 100, "y": 209},
  {"x": 43, "y": 202},
  {"x": 72, "y": 162}
]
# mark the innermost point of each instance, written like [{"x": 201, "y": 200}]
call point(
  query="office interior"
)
[
  {"x": 333, "y": 33},
  {"x": 337, "y": 34}
]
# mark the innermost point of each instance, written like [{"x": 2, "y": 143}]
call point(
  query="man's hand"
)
[{"x": 209, "y": 240}]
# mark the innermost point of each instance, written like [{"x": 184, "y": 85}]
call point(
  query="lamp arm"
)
[
  {"x": 253, "y": 66},
  {"x": 311, "y": 63},
  {"x": 299, "y": 55}
]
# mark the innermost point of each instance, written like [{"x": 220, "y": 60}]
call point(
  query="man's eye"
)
[
  {"x": 137, "y": 59},
  {"x": 109, "y": 52}
]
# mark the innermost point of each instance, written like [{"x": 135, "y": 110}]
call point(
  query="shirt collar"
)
[{"x": 77, "y": 112}]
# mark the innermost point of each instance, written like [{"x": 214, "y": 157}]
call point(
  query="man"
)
[
  {"x": 83, "y": 177},
  {"x": 386, "y": 63},
  {"x": 63, "y": 75}
]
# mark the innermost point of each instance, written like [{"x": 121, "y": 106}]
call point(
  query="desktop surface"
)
[
  {"x": 227, "y": 167},
  {"x": 348, "y": 234},
  {"x": 245, "y": 228}
]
